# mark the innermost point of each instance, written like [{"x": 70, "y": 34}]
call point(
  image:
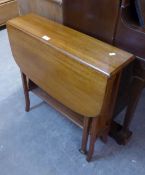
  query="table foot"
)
[{"x": 121, "y": 136}]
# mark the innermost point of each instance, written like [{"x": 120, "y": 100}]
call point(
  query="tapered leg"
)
[
  {"x": 93, "y": 137},
  {"x": 85, "y": 136},
  {"x": 26, "y": 91}
]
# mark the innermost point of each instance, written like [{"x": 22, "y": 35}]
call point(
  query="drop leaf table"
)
[{"x": 76, "y": 74}]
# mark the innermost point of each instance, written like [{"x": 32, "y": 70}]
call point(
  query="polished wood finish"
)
[
  {"x": 90, "y": 17},
  {"x": 75, "y": 118},
  {"x": 83, "y": 95},
  {"x": 85, "y": 135},
  {"x": 134, "y": 34},
  {"x": 133, "y": 41},
  {"x": 68, "y": 113},
  {"x": 84, "y": 122},
  {"x": 80, "y": 72},
  {"x": 8, "y": 10},
  {"x": 119, "y": 27}
]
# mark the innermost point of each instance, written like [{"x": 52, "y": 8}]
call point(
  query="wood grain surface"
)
[
  {"x": 71, "y": 67},
  {"x": 8, "y": 10}
]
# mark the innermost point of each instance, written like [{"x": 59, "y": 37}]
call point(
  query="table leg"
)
[
  {"x": 26, "y": 91},
  {"x": 86, "y": 127},
  {"x": 93, "y": 137}
]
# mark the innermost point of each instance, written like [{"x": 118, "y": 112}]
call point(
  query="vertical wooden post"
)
[
  {"x": 93, "y": 137},
  {"x": 109, "y": 105},
  {"x": 85, "y": 135},
  {"x": 26, "y": 92},
  {"x": 105, "y": 116}
]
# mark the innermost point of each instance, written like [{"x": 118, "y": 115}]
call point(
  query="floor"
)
[{"x": 42, "y": 142}]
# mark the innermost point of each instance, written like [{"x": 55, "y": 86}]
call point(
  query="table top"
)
[{"x": 102, "y": 57}]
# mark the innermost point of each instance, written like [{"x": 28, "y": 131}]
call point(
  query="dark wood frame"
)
[{"x": 120, "y": 36}]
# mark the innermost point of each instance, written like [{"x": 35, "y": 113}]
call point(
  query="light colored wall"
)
[
  {"x": 24, "y": 6},
  {"x": 51, "y": 9}
]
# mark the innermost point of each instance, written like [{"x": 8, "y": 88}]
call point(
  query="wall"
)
[{"x": 51, "y": 9}]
